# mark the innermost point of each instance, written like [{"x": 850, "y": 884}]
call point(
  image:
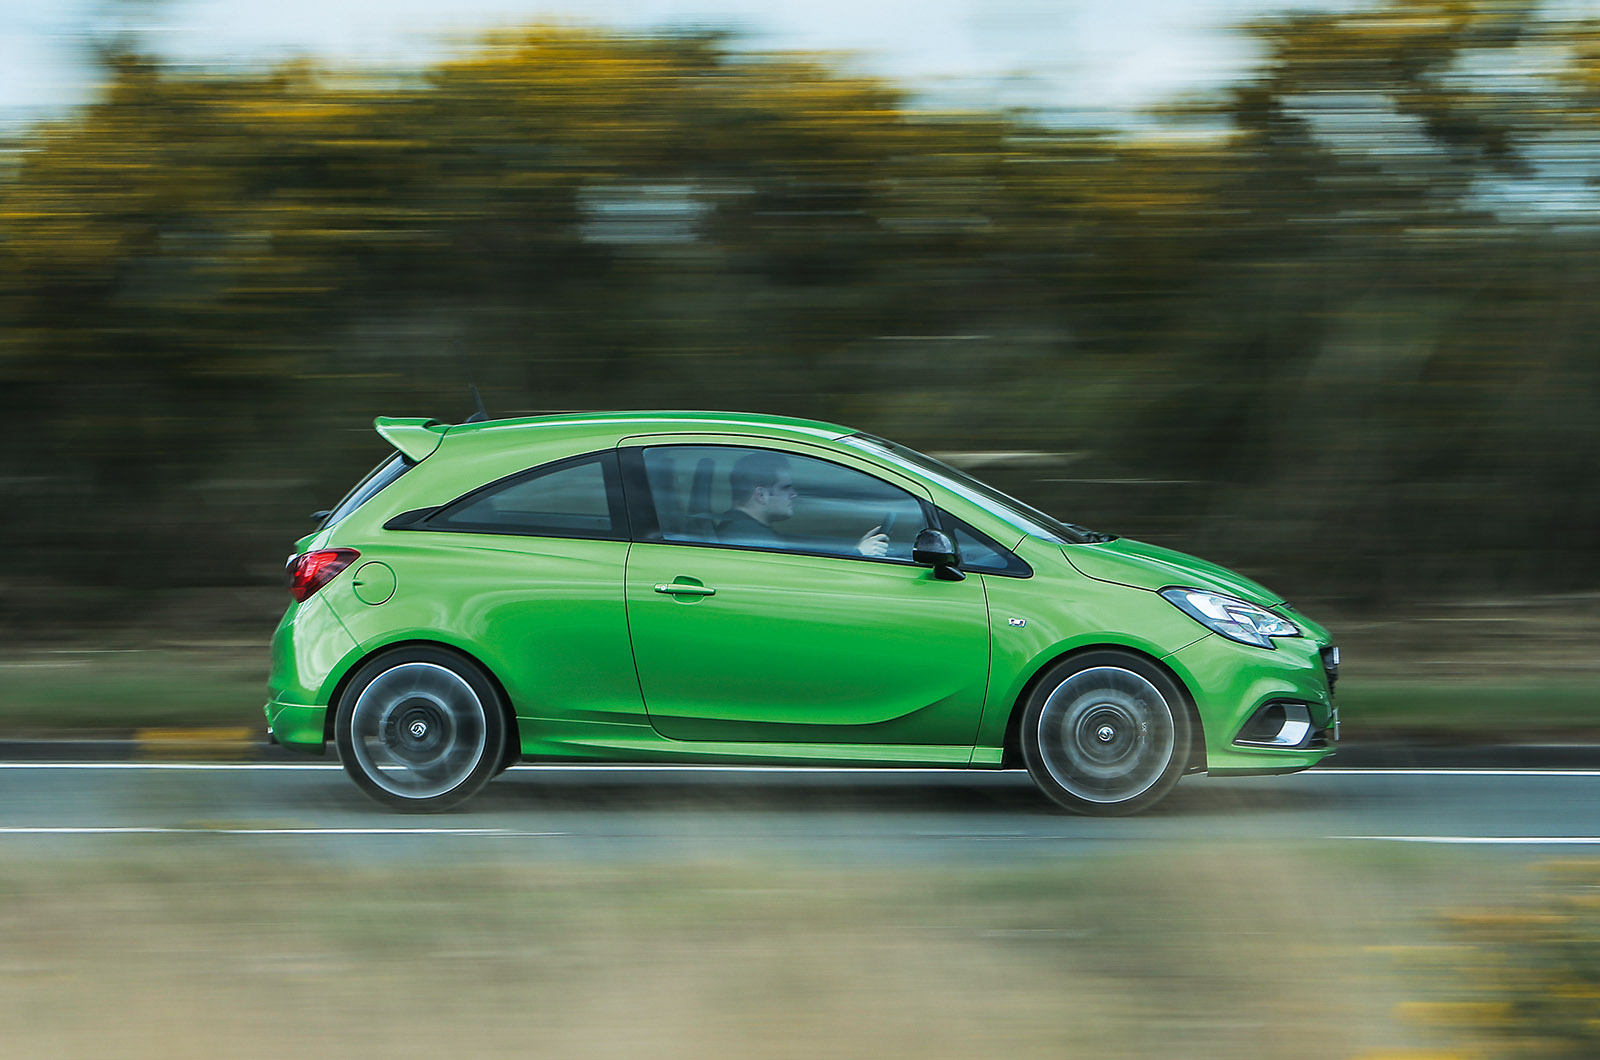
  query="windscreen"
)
[{"x": 1029, "y": 520}]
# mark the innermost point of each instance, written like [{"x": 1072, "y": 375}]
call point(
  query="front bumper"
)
[{"x": 1263, "y": 710}]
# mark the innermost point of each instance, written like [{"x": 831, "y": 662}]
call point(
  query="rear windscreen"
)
[{"x": 370, "y": 486}]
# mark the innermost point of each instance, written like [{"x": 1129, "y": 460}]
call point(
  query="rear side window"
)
[
  {"x": 370, "y": 486},
  {"x": 581, "y": 497}
]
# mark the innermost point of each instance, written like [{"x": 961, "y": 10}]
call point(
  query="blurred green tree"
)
[{"x": 1346, "y": 316}]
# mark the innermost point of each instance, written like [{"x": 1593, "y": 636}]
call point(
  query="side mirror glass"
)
[{"x": 934, "y": 548}]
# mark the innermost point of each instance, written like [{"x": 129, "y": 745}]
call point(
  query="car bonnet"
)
[{"x": 1145, "y": 566}]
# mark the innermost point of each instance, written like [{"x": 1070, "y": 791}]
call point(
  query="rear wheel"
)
[
  {"x": 1106, "y": 733},
  {"x": 512, "y": 754},
  {"x": 420, "y": 729}
]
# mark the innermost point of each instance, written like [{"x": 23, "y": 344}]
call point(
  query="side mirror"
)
[{"x": 934, "y": 549}]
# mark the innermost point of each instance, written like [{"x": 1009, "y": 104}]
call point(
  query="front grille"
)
[{"x": 1330, "y": 665}]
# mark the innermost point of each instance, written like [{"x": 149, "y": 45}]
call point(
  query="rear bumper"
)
[
  {"x": 297, "y": 726},
  {"x": 309, "y": 650}
]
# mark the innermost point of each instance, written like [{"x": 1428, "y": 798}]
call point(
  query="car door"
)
[{"x": 779, "y": 629}]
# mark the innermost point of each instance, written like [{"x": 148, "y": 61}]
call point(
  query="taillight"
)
[{"x": 312, "y": 571}]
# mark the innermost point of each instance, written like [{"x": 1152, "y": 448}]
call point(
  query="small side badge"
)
[{"x": 1018, "y": 622}]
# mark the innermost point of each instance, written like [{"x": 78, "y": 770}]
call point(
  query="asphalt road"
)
[{"x": 670, "y": 814}]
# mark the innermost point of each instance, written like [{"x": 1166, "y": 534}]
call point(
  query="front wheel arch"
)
[{"x": 1011, "y": 750}]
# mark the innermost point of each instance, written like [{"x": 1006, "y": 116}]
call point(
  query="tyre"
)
[
  {"x": 1106, "y": 733},
  {"x": 511, "y": 754},
  {"x": 420, "y": 729}
]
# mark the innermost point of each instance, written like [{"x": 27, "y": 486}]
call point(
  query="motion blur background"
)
[
  {"x": 1311, "y": 294},
  {"x": 1310, "y": 291}
]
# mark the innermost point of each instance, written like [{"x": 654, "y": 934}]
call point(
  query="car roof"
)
[
  {"x": 669, "y": 420},
  {"x": 418, "y": 438}
]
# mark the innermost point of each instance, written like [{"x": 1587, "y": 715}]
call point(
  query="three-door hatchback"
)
[{"x": 712, "y": 587}]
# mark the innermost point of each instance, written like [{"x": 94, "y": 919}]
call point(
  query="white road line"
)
[
  {"x": 496, "y": 833},
  {"x": 1483, "y": 840},
  {"x": 946, "y": 771},
  {"x": 617, "y": 768},
  {"x": 1454, "y": 772},
  {"x": 197, "y": 766},
  {"x": 506, "y": 833}
]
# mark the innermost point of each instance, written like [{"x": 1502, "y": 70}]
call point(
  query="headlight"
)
[{"x": 1234, "y": 619}]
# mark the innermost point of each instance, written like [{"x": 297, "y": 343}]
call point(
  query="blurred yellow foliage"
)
[
  {"x": 1349, "y": 323},
  {"x": 1527, "y": 980}
]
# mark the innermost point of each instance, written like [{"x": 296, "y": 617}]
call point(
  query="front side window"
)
[
  {"x": 575, "y": 498},
  {"x": 767, "y": 499}
]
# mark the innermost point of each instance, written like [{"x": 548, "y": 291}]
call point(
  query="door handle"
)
[{"x": 685, "y": 589}]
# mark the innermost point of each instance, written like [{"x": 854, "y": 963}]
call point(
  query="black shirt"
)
[{"x": 738, "y": 527}]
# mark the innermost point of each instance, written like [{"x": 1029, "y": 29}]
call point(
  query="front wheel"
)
[
  {"x": 420, "y": 729},
  {"x": 1106, "y": 733}
]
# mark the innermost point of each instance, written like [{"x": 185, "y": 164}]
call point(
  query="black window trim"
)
[
  {"x": 1016, "y": 566},
  {"x": 646, "y": 523},
  {"x": 362, "y": 492},
  {"x": 425, "y": 518}
]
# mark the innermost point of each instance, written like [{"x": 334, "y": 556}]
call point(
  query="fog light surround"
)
[{"x": 1281, "y": 723}]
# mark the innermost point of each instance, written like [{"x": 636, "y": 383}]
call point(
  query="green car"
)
[{"x": 714, "y": 587}]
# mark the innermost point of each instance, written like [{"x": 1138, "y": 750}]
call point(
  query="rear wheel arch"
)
[
  {"x": 422, "y": 726},
  {"x": 513, "y": 739}
]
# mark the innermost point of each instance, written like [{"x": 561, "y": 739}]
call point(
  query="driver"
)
[{"x": 764, "y": 493}]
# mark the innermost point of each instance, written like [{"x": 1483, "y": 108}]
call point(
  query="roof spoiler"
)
[{"x": 414, "y": 436}]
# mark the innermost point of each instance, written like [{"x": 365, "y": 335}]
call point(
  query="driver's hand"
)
[{"x": 873, "y": 543}]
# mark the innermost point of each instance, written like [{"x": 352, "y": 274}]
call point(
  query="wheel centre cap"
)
[
  {"x": 419, "y": 729},
  {"x": 1105, "y": 734}
]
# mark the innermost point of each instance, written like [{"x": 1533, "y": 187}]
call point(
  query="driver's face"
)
[{"x": 779, "y": 503}]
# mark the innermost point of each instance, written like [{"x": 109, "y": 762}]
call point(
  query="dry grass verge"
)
[{"x": 204, "y": 947}]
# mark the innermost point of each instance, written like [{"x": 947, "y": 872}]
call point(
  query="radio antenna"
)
[{"x": 477, "y": 399}]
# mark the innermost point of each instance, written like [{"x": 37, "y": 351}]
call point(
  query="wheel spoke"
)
[
  {"x": 418, "y": 730},
  {"x": 1106, "y": 734}
]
